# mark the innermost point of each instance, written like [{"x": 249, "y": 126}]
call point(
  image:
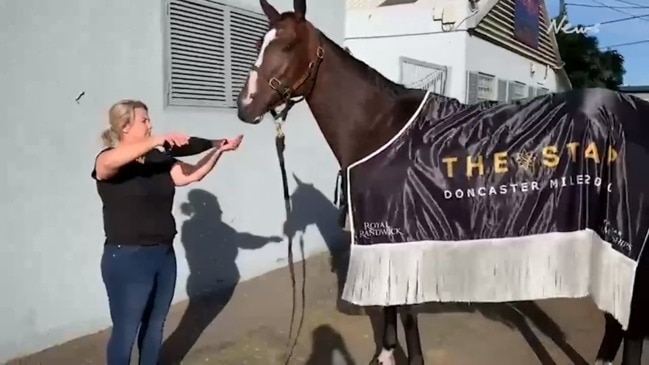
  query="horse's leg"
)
[
  {"x": 386, "y": 357},
  {"x": 413, "y": 341},
  {"x": 613, "y": 335},
  {"x": 632, "y": 350}
]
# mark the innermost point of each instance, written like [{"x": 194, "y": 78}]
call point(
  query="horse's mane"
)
[{"x": 375, "y": 77}]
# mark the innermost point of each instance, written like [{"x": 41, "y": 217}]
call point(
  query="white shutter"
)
[
  {"x": 471, "y": 87},
  {"x": 197, "y": 67},
  {"x": 246, "y": 28}
]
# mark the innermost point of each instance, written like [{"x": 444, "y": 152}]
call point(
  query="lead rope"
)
[{"x": 280, "y": 147}]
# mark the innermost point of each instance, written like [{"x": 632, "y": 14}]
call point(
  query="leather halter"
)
[{"x": 285, "y": 92}]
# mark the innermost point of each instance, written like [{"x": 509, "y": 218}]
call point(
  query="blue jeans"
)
[{"x": 140, "y": 283}]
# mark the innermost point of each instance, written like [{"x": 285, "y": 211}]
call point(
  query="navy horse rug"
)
[{"x": 542, "y": 198}]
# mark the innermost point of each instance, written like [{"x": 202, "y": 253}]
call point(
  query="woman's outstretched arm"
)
[
  {"x": 194, "y": 146},
  {"x": 183, "y": 173}
]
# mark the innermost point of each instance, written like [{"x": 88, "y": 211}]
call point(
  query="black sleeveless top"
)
[{"x": 138, "y": 200}]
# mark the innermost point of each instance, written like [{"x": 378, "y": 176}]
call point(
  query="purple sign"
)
[{"x": 526, "y": 22}]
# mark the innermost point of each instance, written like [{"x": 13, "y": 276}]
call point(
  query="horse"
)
[{"x": 359, "y": 111}]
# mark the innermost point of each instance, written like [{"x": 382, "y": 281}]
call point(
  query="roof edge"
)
[
  {"x": 634, "y": 88},
  {"x": 473, "y": 21}
]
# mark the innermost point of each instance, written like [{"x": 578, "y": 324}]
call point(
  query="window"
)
[
  {"x": 542, "y": 91},
  {"x": 486, "y": 87},
  {"x": 209, "y": 50},
  {"x": 480, "y": 87},
  {"x": 422, "y": 75},
  {"x": 517, "y": 90}
]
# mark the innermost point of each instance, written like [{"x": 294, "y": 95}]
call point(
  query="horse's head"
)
[{"x": 289, "y": 56}]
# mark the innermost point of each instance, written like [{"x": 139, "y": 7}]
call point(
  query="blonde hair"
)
[{"x": 120, "y": 115}]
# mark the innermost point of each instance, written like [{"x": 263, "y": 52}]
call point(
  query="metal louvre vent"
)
[
  {"x": 246, "y": 29},
  {"x": 210, "y": 48},
  {"x": 472, "y": 87},
  {"x": 197, "y": 46}
]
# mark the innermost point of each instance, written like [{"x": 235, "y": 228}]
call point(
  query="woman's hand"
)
[{"x": 231, "y": 144}]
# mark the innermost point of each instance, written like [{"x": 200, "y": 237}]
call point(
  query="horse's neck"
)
[{"x": 356, "y": 116}]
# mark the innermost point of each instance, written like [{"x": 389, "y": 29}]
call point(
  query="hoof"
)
[{"x": 386, "y": 357}]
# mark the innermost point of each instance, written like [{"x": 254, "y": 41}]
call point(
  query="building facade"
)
[
  {"x": 63, "y": 64},
  {"x": 464, "y": 49}
]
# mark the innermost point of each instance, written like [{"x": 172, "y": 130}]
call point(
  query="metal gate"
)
[{"x": 422, "y": 75}]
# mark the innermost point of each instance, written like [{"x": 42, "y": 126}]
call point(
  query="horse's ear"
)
[
  {"x": 297, "y": 180},
  {"x": 271, "y": 13},
  {"x": 299, "y": 7}
]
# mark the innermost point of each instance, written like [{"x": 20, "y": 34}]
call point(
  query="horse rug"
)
[{"x": 542, "y": 198}]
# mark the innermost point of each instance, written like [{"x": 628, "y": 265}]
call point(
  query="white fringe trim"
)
[{"x": 554, "y": 265}]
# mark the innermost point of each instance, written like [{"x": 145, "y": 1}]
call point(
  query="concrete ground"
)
[{"x": 252, "y": 328}]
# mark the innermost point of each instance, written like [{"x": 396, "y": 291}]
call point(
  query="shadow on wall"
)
[
  {"x": 211, "y": 248},
  {"x": 309, "y": 206}
]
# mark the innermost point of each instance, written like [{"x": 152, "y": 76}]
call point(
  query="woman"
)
[{"x": 136, "y": 182}]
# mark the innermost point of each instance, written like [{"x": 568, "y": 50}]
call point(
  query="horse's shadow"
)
[
  {"x": 309, "y": 206},
  {"x": 211, "y": 248},
  {"x": 517, "y": 315},
  {"x": 312, "y": 207}
]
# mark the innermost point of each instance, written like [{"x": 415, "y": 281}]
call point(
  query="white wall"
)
[
  {"x": 486, "y": 57},
  {"x": 380, "y": 36},
  {"x": 50, "y": 214}
]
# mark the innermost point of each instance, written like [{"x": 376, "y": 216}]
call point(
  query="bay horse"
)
[{"x": 357, "y": 110}]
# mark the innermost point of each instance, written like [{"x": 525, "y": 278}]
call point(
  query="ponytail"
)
[{"x": 108, "y": 138}]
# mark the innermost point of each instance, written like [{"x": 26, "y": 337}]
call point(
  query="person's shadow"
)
[
  {"x": 328, "y": 348},
  {"x": 211, "y": 248}
]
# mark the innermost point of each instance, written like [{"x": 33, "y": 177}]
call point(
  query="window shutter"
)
[
  {"x": 246, "y": 28},
  {"x": 197, "y": 67},
  {"x": 472, "y": 87},
  {"x": 511, "y": 90},
  {"x": 502, "y": 90}
]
